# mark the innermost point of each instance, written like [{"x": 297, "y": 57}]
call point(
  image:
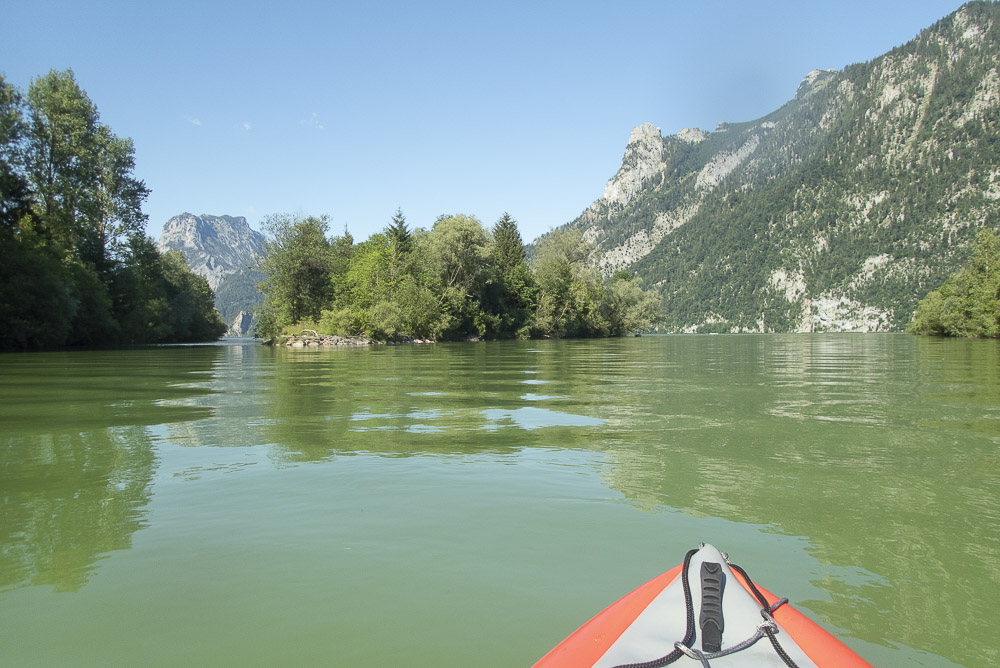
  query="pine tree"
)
[
  {"x": 399, "y": 233},
  {"x": 510, "y": 296},
  {"x": 508, "y": 248}
]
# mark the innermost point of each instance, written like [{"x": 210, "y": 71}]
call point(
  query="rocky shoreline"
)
[{"x": 310, "y": 338}]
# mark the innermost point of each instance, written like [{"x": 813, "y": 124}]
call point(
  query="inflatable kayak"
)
[{"x": 705, "y": 612}]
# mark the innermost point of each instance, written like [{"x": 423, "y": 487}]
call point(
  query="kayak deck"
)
[{"x": 697, "y": 602}]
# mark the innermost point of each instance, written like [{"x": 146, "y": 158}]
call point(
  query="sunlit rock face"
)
[
  {"x": 226, "y": 251},
  {"x": 838, "y": 211}
]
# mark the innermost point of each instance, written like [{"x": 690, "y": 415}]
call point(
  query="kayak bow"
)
[{"x": 705, "y": 612}]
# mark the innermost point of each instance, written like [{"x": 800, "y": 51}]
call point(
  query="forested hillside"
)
[
  {"x": 838, "y": 211},
  {"x": 76, "y": 267}
]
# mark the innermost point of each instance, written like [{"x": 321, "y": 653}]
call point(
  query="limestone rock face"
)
[
  {"x": 223, "y": 249},
  {"x": 643, "y": 158},
  {"x": 214, "y": 246},
  {"x": 242, "y": 325},
  {"x": 838, "y": 211},
  {"x": 813, "y": 82}
]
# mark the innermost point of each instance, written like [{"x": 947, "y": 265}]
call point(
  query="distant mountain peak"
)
[
  {"x": 226, "y": 251},
  {"x": 813, "y": 81},
  {"x": 214, "y": 246}
]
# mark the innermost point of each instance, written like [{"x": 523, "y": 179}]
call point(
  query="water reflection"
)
[
  {"x": 879, "y": 453},
  {"x": 71, "y": 500},
  {"x": 311, "y": 405},
  {"x": 882, "y": 450},
  {"x": 77, "y": 457}
]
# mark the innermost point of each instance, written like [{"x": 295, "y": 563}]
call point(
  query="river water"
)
[{"x": 471, "y": 504}]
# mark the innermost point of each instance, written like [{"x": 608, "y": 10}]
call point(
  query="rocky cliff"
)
[
  {"x": 225, "y": 250},
  {"x": 838, "y": 211}
]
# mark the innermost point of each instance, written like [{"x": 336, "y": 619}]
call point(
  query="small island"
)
[{"x": 457, "y": 281}]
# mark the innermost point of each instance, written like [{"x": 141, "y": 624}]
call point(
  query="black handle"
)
[{"x": 713, "y": 582}]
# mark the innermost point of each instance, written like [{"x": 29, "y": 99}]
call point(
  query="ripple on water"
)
[
  {"x": 540, "y": 397},
  {"x": 535, "y": 418}
]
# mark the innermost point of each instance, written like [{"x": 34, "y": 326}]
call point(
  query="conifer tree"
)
[{"x": 399, "y": 233}]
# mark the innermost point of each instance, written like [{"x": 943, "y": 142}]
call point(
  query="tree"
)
[
  {"x": 191, "y": 302},
  {"x": 36, "y": 298},
  {"x": 509, "y": 297},
  {"x": 370, "y": 278},
  {"x": 14, "y": 196},
  {"x": 968, "y": 303},
  {"x": 60, "y": 150},
  {"x": 119, "y": 194},
  {"x": 570, "y": 292},
  {"x": 158, "y": 299},
  {"x": 298, "y": 268},
  {"x": 627, "y": 307},
  {"x": 399, "y": 233},
  {"x": 79, "y": 172},
  {"x": 76, "y": 265},
  {"x": 455, "y": 252},
  {"x": 507, "y": 251}
]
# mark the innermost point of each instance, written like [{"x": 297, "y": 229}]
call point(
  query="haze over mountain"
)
[
  {"x": 836, "y": 212},
  {"x": 225, "y": 250}
]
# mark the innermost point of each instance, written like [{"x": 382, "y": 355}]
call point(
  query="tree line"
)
[
  {"x": 455, "y": 281},
  {"x": 76, "y": 266}
]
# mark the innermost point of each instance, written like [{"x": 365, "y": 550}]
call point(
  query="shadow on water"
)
[{"x": 76, "y": 457}]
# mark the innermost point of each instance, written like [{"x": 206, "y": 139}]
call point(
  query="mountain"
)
[
  {"x": 223, "y": 249},
  {"x": 836, "y": 212}
]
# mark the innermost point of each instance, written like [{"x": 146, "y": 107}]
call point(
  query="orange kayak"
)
[{"x": 705, "y": 612}]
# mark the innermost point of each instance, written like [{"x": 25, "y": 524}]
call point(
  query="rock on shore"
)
[{"x": 311, "y": 338}]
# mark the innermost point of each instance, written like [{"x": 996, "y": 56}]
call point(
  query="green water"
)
[{"x": 471, "y": 504}]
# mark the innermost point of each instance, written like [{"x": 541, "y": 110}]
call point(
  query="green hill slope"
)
[{"x": 838, "y": 211}]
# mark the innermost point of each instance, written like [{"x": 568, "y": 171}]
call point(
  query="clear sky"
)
[{"x": 354, "y": 109}]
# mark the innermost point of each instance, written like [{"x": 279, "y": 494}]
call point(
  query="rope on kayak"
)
[
  {"x": 766, "y": 610},
  {"x": 767, "y": 629},
  {"x": 689, "y": 632}
]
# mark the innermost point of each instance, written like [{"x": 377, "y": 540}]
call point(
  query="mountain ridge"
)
[{"x": 837, "y": 211}]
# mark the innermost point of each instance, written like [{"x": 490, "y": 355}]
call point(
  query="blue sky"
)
[{"x": 355, "y": 109}]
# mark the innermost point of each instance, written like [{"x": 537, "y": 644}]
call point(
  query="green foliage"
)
[
  {"x": 297, "y": 269},
  {"x": 61, "y": 143},
  {"x": 158, "y": 299},
  {"x": 94, "y": 323},
  {"x": 36, "y": 301},
  {"x": 571, "y": 293},
  {"x": 14, "y": 197},
  {"x": 192, "y": 313},
  {"x": 384, "y": 321},
  {"x": 510, "y": 293},
  {"x": 452, "y": 282},
  {"x": 75, "y": 265},
  {"x": 627, "y": 307},
  {"x": 343, "y": 322},
  {"x": 455, "y": 252},
  {"x": 399, "y": 234},
  {"x": 369, "y": 278},
  {"x": 968, "y": 303}
]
